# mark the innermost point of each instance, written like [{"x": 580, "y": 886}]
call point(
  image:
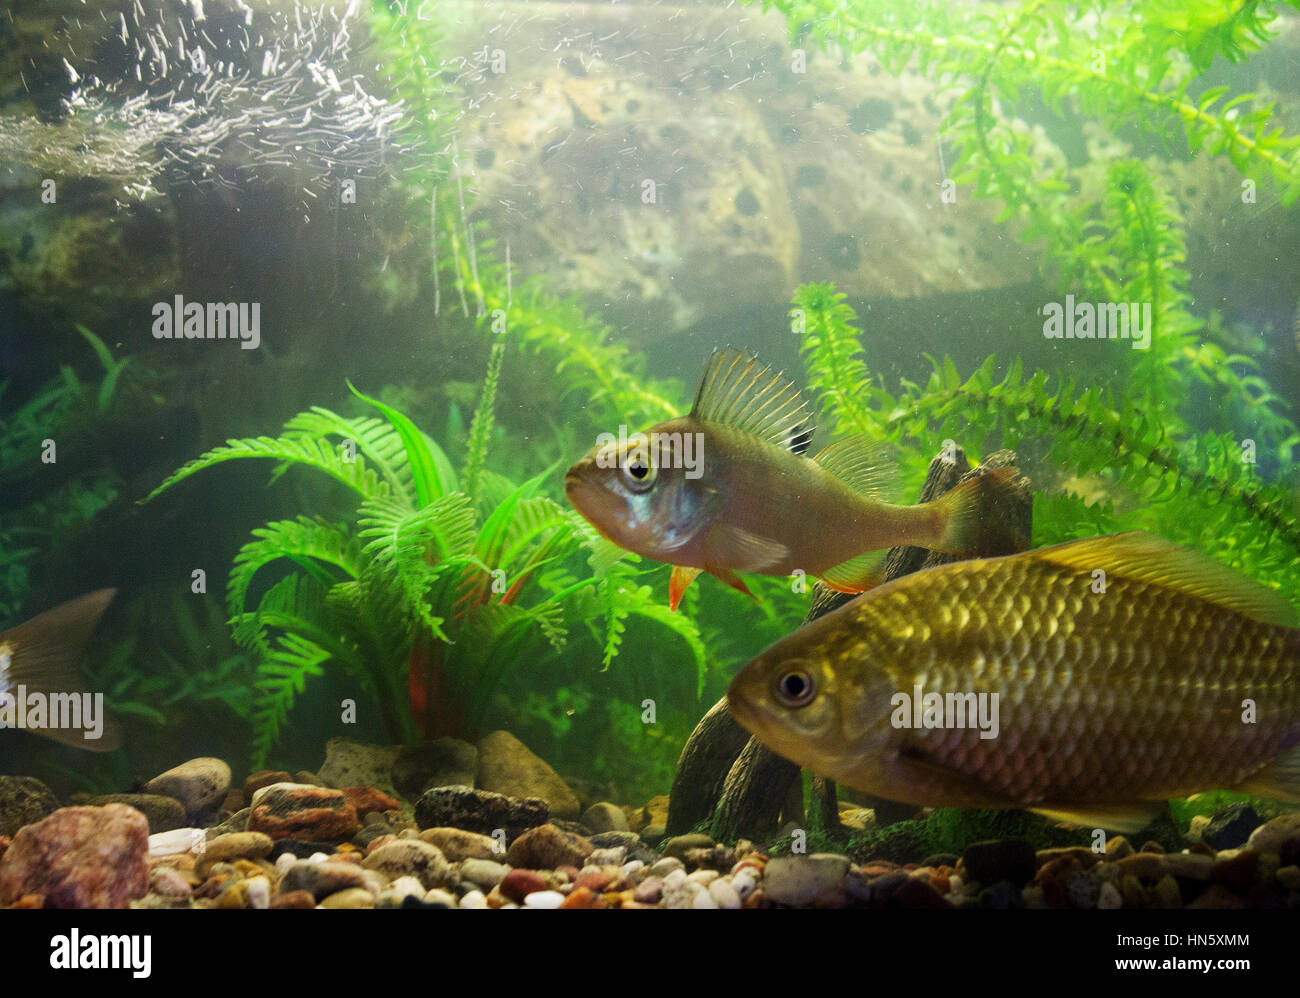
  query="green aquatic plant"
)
[{"x": 424, "y": 602}]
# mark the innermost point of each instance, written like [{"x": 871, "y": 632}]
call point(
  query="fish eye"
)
[
  {"x": 639, "y": 474},
  {"x": 794, "y": 687}
]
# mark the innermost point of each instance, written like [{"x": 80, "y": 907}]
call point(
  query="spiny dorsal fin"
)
[
  {"x": 1144, "y": 557},
  {"x": 865, "y": 466},
  {"x": 737, "y": 390}
]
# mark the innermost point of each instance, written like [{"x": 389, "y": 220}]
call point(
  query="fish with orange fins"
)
[
  {"x": 728, "y": 488},
  {"x": 41, "y": 688},
  {"x": 1091, "y": 682}
]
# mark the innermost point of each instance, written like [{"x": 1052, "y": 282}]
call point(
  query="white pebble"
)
[
  {"x": 675, "y": 879},
  {"x": 724, "y": 894},
  {"x": 318, "y": 857},
  {"x": 284, "y": 862},
  {"x": 178, "y": 840},
  {"x": 667, "y": 865},
  {"x": 743, "y": 884},
  {"x": 704, "y": 900},
  {"x": 544, "y": 899},
  {"x": 631, "y": 867},
  {"x": 438, "y": 896},
  {"x": 257, "y": 892},
  {"x": 474, "y": 899},
  {"x": 613, "y": 856},
  {"x": 704, "y": 877},
  {"x": 407, "y": 887},
  {"x": 373, "y": 882}
]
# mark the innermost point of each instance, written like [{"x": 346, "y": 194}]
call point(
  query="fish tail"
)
[
  {"x": 971, "y": 525},
  {"x": 43, "y": 655}
]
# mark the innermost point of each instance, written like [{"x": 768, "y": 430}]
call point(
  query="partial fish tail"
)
[
  {"x": 972, "y": 525},
  {"x": 41, "y": 656}
]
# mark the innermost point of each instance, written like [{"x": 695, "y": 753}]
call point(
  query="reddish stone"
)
[
  {"x": 547, "y": 847},
  {"x": 379, "y": 843},
  {"x": 264, "y": 778},
  {"x": 79, "y": 857},
  {"x": 569, "y": 871},
  {"x": 583, "y": 897},
  {"x": 916, "y": 893},
  {"x": 314, "y": 814},
  {"x": 367, "y": 800},
  {"x": 518, "y": 884},
  {"x": 294, "y": 899}
]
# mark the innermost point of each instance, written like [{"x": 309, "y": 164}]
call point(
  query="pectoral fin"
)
[
  {"x": 678, "y": 583},
  {"x": 742, "y": 550}
]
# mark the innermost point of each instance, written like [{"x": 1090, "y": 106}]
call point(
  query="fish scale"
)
[{"x": 1131, "y": 695}]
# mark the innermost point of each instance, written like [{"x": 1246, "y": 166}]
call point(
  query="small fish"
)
[
  {"x": 1181, "y": 676},
  {"x": 38, "y": 663},
  {"x": 728, "y": 488}
]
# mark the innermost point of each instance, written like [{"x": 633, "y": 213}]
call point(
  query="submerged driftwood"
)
[{"x": 743, "y": 788}]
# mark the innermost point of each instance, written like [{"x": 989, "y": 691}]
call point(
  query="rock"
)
[
  {"x": 297, "y": 811},
  {"x": 372, "y": 833},
  {"x": 605, "y": 817},
  {"x": 1117, "y": 848},
  {"x": 446, "y": 762},
  {"x": 1189, "y": 865},
  {"x": 257, "y": 892},
  {"x": 507, "y": 766},
  {"x": 1217, "y": 896},
  {"x": 679, "y": 845},
  {"x": 653, "y": 835},
  {"x": 666, "y": 866},
  {"x": 79, "y": 857},
  {"x": 596, "y": 879},
  {"x": 800, "y": 881},
  {"x": 368, "y": 800},
  {"x": 438, "y": 898},
  {"x": 1144, "y": 865},
  {"x": 350, "y": 763},
  {"x": 321, "y": 879},
  {"x": 177, "y": 841},
  {"x": 916, "y": 893},
  {"x": 1109, "y": 897},
  {"x": 353, "y": 897},
  {"x": 942, "y": 859},
  {"x": 544, "y": 899},
  {"x": 1236, "y": 867},
  {"x": 238, "y": 845},
  {"x": 1275, "y": 835},
  {"x": 294, "y": 899},
  {"x": 233, "y": 802},
  {"x": 1231, "y": 826},
  {"x": 308, "y": 777},
  {"x": 482, "y": 872},
  {"x": 1151, "y": 845},
  {"x": 1083, "y": 891},
  {"x": 167, "y": 882},
  {"x": 608, "y": 857},
  {"x": 1001, "y": 859},
  {"x": 200, "y": 784},
  {"x": 163, "y": 813},
  {"x": 584, "y": 897},
  {"x": 1167, "y": 893},
  {"x": 649, "y": 891},
  {"x": 475, "y": 900},
  {"x": 876, "y": 891},
  {"x": 458, "y": 845},
  {"x": 23, "y": 801},
  {"x": 518, "y": 884},
  {"x": 1289, "y": 877},
  {"x": 414, "y": 858},
  {"x": 1085, "y": 857},
  {"x": 479, "y": 811},
  {"x": 1001, "y": 895},
  {"x": 264, "y": 778},
  {"x": 548, "y": 847}
]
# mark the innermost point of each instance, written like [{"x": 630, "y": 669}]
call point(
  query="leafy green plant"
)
[{"x": 414, "y": 588}]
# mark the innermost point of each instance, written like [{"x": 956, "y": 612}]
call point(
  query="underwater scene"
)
[{"x": 521, "y": 454}]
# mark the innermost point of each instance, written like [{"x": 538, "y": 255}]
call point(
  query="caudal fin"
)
[
  {"x": 972, "y": 523},
  {"x": 42, "y": 657}
]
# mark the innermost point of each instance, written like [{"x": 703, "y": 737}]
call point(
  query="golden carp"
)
[
  {"x": 1089, "y": 681},
  {"x": 727, "y": 489}
]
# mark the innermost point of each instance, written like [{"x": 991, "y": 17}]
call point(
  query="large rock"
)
[
  {"x": 507, "y": 766},
  {"x": 350, "y": 763},
  {"x": 479, "y": 811},
  {"x": 446, "y": 762},
  {"x": 413, "y": 858},
  {"x": 200, "y": 784},
  {"x": 548, "y": 847},
  {"x": 806, "y": 880},
  {"x": 297, "y": 811},
  {"x": 79, "y": 857},
  {"x": 23, "y": 800}
]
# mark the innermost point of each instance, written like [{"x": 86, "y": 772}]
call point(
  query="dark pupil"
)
[
  {"x": 794, "y": 686},
  {"x": 638, "y": 470}
]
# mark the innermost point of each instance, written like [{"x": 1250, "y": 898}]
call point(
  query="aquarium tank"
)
[{"x": 645, "y": 454}]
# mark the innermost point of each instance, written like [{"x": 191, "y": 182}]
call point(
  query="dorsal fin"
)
[
  {"x": 1144, "y": 557},
  {"x": 864, "y": 465},
  {"x": 737, "y": 390}
]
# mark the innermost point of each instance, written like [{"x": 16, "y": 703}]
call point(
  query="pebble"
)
[
  {"x": 440, "y": 898},
  {"x": 1118, "y": 847},
  {"x": 457, "y": 844},
  {"x": 175, "y": 842},
  {"x": 547, "y": 847},
  {"x": 24, "y": 800},
  {"x": 585, "y": 898},
  {"x": 703, "y": 899},
  {"x": 1167, "y": 892},
  {"x": 1289, "y": 877},
  {"x": 916, "y": 893},
  {"x": 1189, "y": 865},
  {"x": 264, "y": 778},
  {"x": 1001, "y": 895},
  {"x": 350, "y": 763},
  {"x": 483, "y": 872},
  {"x": 444, "y": 762},
  {"x": 257, "y": 892},
  {"x": 1002, "y": 859},
  {"x": 518, "y": 884},
  {"x": 649, "y": 891},
  {"x": 725, "y": 895},
  {"x": 479, "y": 811},
  {"x": 616, "y": 856},
  {"x": 199, "y": 784},
  {"x": 1143, "y": 865},
  {"x": 666, "y": 866},
  {"x": 605, "y": 817},
  {"x": 294, "y": 899},
  {"x": 703, "y": 877},
  {"x": 544, "y": 899},
  {"x": 162, "y": 813},
  {"x": 168, "y": 882},
  {"x": 474, "y": 899},
  {"x": 298, "y": 811},
  {"x": 321, "y": 879},
  {"x": 238, "y": 845},
  {"x": 1236, "y": 867},
  {"x": 1274, "y": 835},
  {"x": 679, "y": 845},
  {"x": 79, "y": 857},
  {"x": 1197, "y": 825},
  {"x": 414, "y": 858},
  {"x": 804, "y": 880},
  {"x": 353, "y": 897},
  {"x": 368, "y": 800},
  {"x": 631, "y": 868},
  {"x": 1083, "y": 891}
]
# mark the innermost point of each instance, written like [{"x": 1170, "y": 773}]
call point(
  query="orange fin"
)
[
  {"x": 678, "y": 583},
  {"x": 857, "y": 575},
  {"x": 733, "y": 580}
]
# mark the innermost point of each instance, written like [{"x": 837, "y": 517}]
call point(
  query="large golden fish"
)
[
  {"x": 727, "y": 489},
  {"x": 1090, "y": 681}
]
